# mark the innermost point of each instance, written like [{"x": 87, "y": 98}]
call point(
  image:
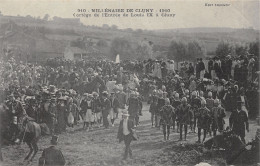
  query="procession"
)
[
  {"x": 95, "y": 95},
  {"x": 100, "y": 84}
]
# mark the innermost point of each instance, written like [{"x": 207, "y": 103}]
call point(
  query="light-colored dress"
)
[{"x": 89, "y": 117}]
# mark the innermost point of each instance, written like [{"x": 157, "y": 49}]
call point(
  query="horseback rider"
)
[{"x": 15, "y": 108}]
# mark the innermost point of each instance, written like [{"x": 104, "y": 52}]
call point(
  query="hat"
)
[
  {"x": 105, "y": 93},
  {"x": 95, "y": 94},
  {"x": 125, "y": 113},
  {"x": 62, "y": 98},
  {"x": 54, "y": 140}
]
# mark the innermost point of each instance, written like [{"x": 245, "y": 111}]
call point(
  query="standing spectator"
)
[
  {"x": 210, "y": 67},
  {"x": 84, "y": 107},
  {"x": 238, "y": 122},
  {"x": 106, "y": 107},
  {"x": 52, "y": 115},
  {"x": 61, "y": 114},
  {"x": 121, "y": 97},
  {"x": 133, "y": 105},
  {"x": 114, "y": 111},
  {"x": 96, "y": 107}
]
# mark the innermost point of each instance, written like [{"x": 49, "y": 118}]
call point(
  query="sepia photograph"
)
[{"x": 129, "y": 83}]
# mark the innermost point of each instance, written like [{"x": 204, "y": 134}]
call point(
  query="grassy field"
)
[{"x": 100, "y": 147}]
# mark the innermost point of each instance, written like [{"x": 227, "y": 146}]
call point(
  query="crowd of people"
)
[{"x": 61, "y": 93}]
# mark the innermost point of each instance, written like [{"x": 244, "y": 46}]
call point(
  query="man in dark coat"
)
[
  {"x": 52, "y": 156},
  {"x": 106, "y": 107},
  {"x": 133, "y": 105},
  {"x": 238, "y": 122},
  {"x": 125, "y": 133},
  {"x": 115, "y": 105},
  {"x": 210, "y": 66}
]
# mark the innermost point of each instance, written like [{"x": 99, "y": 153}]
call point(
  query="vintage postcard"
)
[{"x": 129, "y": 82}]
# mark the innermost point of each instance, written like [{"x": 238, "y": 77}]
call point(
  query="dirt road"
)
[{"x": 100, "y": 147}]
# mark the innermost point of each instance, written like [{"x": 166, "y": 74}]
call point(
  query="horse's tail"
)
[{"x": 44, "y": 129}]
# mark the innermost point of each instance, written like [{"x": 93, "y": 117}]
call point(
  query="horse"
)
[
  {"x": 227, "y": 140},
  {"x": 233, "y": 146},
  {"x": 30, "y": 133}
]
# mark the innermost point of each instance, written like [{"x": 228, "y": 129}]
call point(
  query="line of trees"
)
[
  {"x": 185, "y": 51},
  {"x": 226, "y": 48}
]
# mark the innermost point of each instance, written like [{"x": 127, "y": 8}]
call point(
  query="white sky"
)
[{"x": 189, "y": 13}]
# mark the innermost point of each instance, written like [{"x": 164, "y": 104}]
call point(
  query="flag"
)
[{"x": 117, "y": 58}]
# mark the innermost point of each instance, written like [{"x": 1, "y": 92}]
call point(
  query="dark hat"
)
[{"x": 54, "y": 140}]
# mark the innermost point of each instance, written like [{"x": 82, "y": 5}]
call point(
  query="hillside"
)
[{"x": 63, "y": 30}]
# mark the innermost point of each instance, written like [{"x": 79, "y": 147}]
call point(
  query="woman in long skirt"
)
[{"x": 89, "y": 118}]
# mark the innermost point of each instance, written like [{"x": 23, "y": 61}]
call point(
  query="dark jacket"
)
[
  {"x": 120, "y": 134},
  {"x": 238, "y": 121},
  {"x": 52, "y": 156}
]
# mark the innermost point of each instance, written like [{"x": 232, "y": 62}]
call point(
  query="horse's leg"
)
[
  {"x": 35, "y": 148},
  {"x": 31, "y": 150}
]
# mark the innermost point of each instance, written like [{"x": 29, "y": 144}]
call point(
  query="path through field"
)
[{"x": 100, "y": 147}]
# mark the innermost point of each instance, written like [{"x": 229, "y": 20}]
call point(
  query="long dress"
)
[
  {"x": 61, "y": 118},
  {"x": 88, "y": 116}
]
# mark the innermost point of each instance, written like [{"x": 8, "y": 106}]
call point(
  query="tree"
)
[
  {"x": 177, "y": 51},
  {"x": 254, "y": 48},
  {"x": 121, "y": 46},
  {"x": 223, "y": 49},
  {"x": 194, "y": 51},
  {"x": 240, "y": 50},
  {"x": 77, "y": 43},
  {"x": 144, "y": 50},
  {"x": 46, "y": 17}
]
